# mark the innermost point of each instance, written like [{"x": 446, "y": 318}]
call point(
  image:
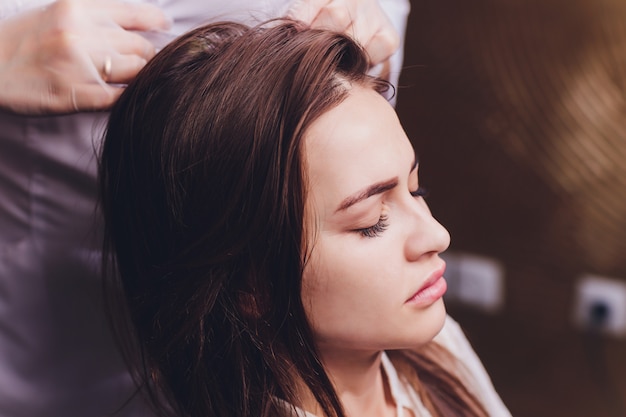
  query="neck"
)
[{"x": 360, "y": 383}]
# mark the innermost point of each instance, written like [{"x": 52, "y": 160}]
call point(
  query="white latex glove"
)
[
  {"x": 364, "y": 20},
  {"x": 59, "y": 59}
]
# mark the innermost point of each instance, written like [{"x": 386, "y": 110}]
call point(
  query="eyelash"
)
[
  {"x": 377, "y": 229},
  {"x": 381, "y": 226},
  {"x": 420, "y": 192}
]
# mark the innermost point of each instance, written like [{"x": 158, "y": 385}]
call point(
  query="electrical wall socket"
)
[
  {"x": 477, "y": 281},
  {"x": 600, "y": 305}
]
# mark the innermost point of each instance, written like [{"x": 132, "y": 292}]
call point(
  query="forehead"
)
[{"x": 355, "y": 144}]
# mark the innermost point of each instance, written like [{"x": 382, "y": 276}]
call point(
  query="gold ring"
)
[{"x": 106, "y": 70}]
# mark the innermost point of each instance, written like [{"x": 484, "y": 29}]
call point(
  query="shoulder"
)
[{"x": 454, "y": 340}]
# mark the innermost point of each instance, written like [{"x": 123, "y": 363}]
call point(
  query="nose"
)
[{"x": 425, "y": 235}]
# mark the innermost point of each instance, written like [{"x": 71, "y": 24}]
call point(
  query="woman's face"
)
[{"x": 374, "y": 278}]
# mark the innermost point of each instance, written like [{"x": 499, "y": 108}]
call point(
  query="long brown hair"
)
[{"x": 203, "y": 191}]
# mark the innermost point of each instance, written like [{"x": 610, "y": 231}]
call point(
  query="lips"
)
[{"x": 433, "y": 289}]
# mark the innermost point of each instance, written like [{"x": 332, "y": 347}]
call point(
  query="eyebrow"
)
[{"x": 374, "y": 189}]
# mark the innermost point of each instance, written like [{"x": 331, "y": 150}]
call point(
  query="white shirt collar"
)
[{"x": 401, "y": 391}]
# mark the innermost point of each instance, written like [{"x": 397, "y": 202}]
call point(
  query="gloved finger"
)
[
  {"x": 306, "y": 10},
  {"x": 382, "y": 45},
  {"x": 120, "y": 69},
  {"x": 368, "y": 19},
  {"x": 93, "y": 97},
  {"x": 128, "y": 43},
  {"x": 334, "y": 16},
  {"x": 138, "y": 16}
]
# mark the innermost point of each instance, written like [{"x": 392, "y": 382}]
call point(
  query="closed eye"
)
[
  {"x": 375, "y": 230},
  {"x": 420, "y": 192}
]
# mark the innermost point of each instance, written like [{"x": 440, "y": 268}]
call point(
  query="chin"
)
[
  {"x": 431, "y": 322},
  {"x": 441, "y": 316}
]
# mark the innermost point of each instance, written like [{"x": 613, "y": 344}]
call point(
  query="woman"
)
[
  {"x": 61, "y": 60},
  {"x": 273, "y": 251}
]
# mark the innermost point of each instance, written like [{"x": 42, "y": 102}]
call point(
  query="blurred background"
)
[{"x": 517, "y": 110}]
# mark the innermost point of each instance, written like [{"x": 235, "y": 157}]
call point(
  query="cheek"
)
[
  {"x": 330, "y": 274},
  {"x": 350, "y": 268},
  {"x": 339, "y": 286},
  {"x": 353, "y": 309},
  {"x": 314, "y": 285}
]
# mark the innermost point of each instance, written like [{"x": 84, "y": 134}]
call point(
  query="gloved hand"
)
[
  {"x": 60, "y": 58},
  {"x": 364, "y": 20}
]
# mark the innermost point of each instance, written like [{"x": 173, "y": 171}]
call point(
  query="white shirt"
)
[
  {"x": 453, "y": 339},
  {"x": 57, "y": 357}
]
